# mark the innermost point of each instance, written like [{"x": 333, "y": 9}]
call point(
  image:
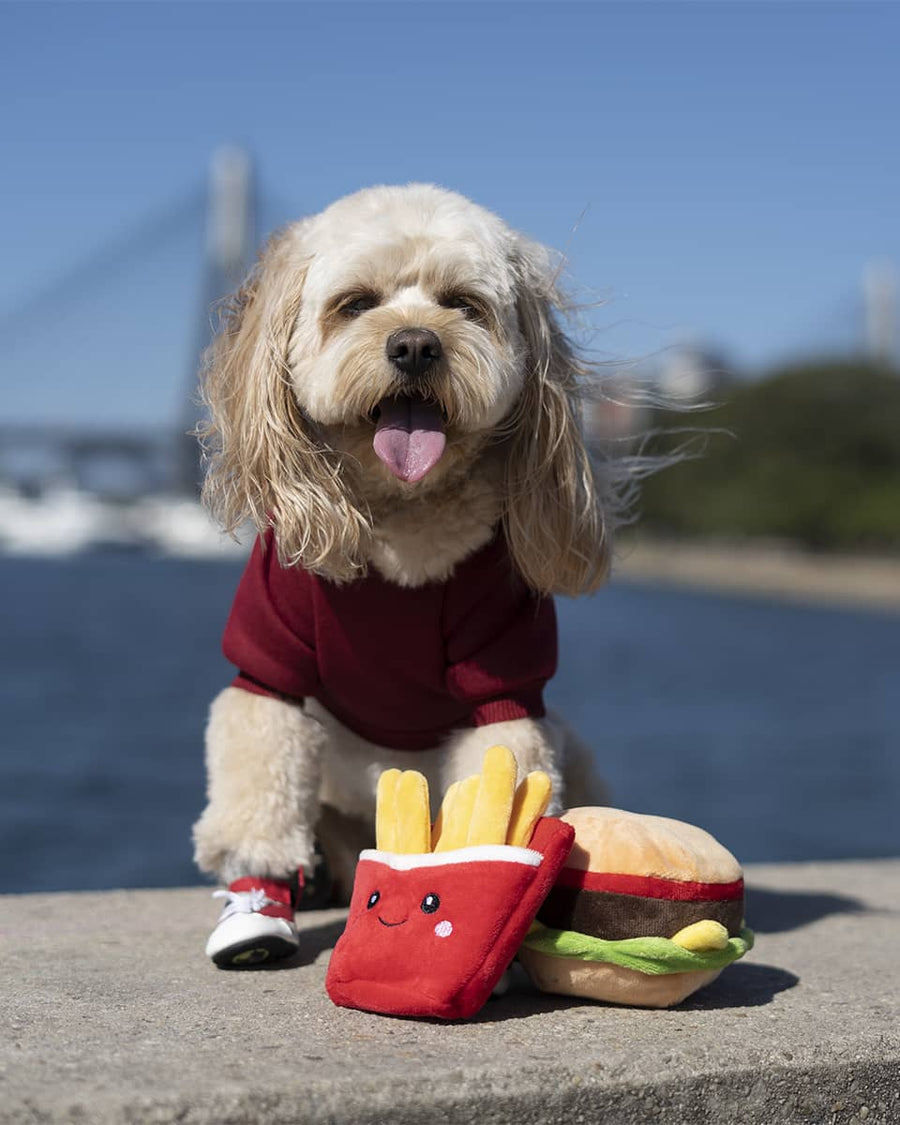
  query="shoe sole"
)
[{"x": 254, "y": 952}]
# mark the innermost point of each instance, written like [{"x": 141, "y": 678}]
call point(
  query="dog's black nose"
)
[{"x": 413, "y": 350}]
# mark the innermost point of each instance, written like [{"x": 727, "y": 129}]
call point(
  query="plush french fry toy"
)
[{"x": 438, "y": 912}]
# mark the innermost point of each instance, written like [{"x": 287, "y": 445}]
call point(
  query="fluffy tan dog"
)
[{"x": 393, "y": 403}]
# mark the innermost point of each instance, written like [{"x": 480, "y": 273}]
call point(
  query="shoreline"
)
[
  {"x": 761, "y": 569},
  {"x": 768, "y": 569}
]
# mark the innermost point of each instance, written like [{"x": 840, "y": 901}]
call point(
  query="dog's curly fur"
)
[{"x": 292, "y": 384}]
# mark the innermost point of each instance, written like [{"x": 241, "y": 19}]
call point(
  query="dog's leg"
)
[
  {"x": 547, "y": 744},
  {"x": 263, "y": 761}
]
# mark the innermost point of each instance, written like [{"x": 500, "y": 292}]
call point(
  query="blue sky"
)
[{"x": 735, "y": 164}]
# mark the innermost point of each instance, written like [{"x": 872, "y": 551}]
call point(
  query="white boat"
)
[
  {"x": 182, "y": 528},
  {"x": 65, "y": 521}
]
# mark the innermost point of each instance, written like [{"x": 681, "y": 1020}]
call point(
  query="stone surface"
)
[{"x": 111, "y": 1013}]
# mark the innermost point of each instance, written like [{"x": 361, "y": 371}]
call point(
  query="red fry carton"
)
[{"x": 431, "y": 934}]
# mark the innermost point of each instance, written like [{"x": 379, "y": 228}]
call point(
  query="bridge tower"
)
[{"x": 230, "y": 243}]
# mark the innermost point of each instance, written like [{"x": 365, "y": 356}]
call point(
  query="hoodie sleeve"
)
[
  {"x": 270, "y": 634},
  {"x": 500, "y": 639}
]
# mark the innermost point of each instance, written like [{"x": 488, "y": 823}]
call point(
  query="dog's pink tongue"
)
[{"x": 409, "y": 437}]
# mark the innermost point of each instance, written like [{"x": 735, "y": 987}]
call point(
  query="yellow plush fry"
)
[
  {"x": 701, "y": 937},
  {"x": 443, "y": 817},
  {"x": 413, "y": 815},
  {"x": 529, "y": 805},
  {"x": 386, "y": 823},
  {"x": 494, "y": 800},
  {"x": 455, "y": 828}
]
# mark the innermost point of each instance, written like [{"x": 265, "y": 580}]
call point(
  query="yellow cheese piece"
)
[
  {"x": 702, "y": 936},
  {"x": 386, "y": 811},
  {"x": 530, "y": 804},
  {"x": 413, "y": 835},
  {"x": 494, "y": 799}
]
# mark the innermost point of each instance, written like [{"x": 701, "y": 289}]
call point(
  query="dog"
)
[{"x": 393, "y": 402}]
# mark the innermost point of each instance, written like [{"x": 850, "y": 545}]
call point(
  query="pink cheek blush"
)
[{"x": 444, "y": 929}]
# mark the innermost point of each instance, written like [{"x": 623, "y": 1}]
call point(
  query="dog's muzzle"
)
[{"x": 409, "y": 434}]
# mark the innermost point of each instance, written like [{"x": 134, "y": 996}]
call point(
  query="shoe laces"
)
[{"x": 244, "y": 902}]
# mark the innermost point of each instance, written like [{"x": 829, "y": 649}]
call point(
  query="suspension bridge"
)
[{"x": 76, "y": 325}]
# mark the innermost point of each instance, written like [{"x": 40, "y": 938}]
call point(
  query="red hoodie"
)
[{"x": 400, "y": 666}]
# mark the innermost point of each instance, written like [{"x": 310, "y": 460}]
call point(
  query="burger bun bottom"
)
[{"x": 612, "y": 984}]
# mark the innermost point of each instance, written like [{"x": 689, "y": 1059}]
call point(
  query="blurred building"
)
[
  {"x": 880, "y": 292},
  {"x": 690, "y": 372}
]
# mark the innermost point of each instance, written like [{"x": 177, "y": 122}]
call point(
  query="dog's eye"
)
[
  {"x": 358, "y": 304},
  {"x": 467, "y": 305}
]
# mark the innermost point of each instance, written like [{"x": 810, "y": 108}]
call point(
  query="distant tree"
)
[{"x": 812, "y": 454}]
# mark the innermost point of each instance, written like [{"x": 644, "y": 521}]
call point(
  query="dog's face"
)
[
  {"x": 403, "y": 344},
  {"x": 407, "y": 343}
]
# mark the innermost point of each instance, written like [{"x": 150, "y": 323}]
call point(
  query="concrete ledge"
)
[{"x": 112, "y": 1014}]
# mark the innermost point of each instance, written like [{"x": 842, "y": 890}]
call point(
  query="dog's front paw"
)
[{"x": 256, "y": 925}]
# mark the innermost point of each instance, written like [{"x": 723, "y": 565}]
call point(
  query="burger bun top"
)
[{"x": 626, "y": 843}]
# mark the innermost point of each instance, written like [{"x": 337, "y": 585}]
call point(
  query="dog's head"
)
[{"x": 380, "y": 351}]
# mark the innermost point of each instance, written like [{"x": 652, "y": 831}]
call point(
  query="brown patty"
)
[{"x": 613, "y": 917}]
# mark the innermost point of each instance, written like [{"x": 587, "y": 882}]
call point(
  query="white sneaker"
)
[{"x": 256, "y": 924}]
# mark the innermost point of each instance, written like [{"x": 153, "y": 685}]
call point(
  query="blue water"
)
[{"x": 775, "y": 727}]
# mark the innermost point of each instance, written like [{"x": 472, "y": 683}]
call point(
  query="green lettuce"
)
[{"x": 652, "y": 955}]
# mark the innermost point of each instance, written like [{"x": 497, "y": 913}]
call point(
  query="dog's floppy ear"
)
[
  {"x": 554, "y": 515},
  {"x": 265, "y": 463}
]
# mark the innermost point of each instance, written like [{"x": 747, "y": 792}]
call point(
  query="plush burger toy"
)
[{"x": 645, "y": 911}]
